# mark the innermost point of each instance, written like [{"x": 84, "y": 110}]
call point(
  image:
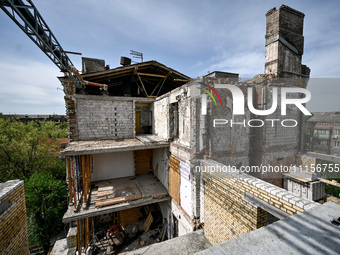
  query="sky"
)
[{"x": 192, "y": 37}]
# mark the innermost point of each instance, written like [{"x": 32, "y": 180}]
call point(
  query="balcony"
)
[{"x": 321, "y": 136}]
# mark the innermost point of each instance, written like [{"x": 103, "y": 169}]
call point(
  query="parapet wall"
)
[
  {"x": 13, "y": 219},
  {"x": 234, "y": 202}
]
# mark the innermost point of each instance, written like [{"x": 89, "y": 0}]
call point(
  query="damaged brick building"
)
[{"x": 138, "y": 145}]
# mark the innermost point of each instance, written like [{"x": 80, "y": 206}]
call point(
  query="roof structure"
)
[
  {"x": 147, "y": 79},
  {"x": 326, "y": 117}
]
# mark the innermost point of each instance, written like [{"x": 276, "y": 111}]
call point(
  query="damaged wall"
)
[
  {"x": 161, "y": 118},
  {"x": 113, "y": 165},
  {"x": 100, "y": 117},
  {"x": 161, "y": 165},
  {"x": 145, "y": 117},
  {"x": 227, "y": 211}
]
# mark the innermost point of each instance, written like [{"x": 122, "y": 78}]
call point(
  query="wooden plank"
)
[
  {"x": 83, "y": 170},
  {"x": 333, "y": 183},
  {"x": 89, "y": 220},
  {"x": 79, "y": 202},
  {"x": 143, "y": 161},
  {"x": 117, "y": 200},
  {"x": 142, "y": 85},
  {"x": 143, "y": 168},
  {"x": 137, "y": 122},
  {"x": 152, "y": 75},
  {"x": 175, "y": 179},
  {"x": 78, "y": 237},
  {"x": 69, "y": 179},
  {"x": 148, "y": 222},
  {"x": 82, "y": 232},
  {"x": 107, "y": 195},
  {"x": 130, "y": 216},
  {"x": 141, "y": 154},
  {"x": 88, "y": 158}
]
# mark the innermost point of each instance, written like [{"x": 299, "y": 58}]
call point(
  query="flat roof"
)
[
  {"x": 149, "y": 187},
  {"x": 309, "y": 232},
  {"x": 185, "y": 244},
  {"x": 7, "y": 187},
  {"x": 141, "y": 142}
]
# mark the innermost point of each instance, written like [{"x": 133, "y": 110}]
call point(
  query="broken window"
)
[
  {"x": 174, "y": 120},
  {"x": 143, "y": 118}
]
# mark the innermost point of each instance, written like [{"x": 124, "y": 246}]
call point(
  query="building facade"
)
[
  {"x": 143, "y": 141},
  {"x": 323, "y": 133}
]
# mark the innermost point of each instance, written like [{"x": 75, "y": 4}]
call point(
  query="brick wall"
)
[
  {"x": 104, "y": 118},
  {"x": 305, "y": 161},
  {"x": 228, "y": 213},
  {"x": 13, "y": 220}
]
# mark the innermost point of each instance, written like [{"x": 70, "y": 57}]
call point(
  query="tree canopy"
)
[
  {"x": 28, "y": 147},
  {"x": 29, "y": 151},
  {"x": 45, "y": 200}
]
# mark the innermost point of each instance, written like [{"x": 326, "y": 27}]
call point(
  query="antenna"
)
[{"x": 137, "y": 54}]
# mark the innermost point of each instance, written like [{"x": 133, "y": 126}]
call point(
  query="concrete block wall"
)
[
  {"x": 228, "y": 214},
  {"x": 13, "y": 219},
  {"x": 104, "y": 118}
]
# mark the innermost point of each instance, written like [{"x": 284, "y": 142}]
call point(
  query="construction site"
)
[{"x": 154, "y": 165}]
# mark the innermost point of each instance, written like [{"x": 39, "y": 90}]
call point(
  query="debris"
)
[{"x": 148, "y": 222}]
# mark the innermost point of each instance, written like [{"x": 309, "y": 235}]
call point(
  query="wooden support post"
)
[
  {"x": 69, "y": 179},
  {"x": 84, "y": 173},
  {"x": 78, "y": 237},
  {"x": 82, "y": 232},
  {"x": 86, "y": 233},
  {"x": 88, "y": 171}
]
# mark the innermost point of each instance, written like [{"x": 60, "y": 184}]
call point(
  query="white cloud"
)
[
  {"x": 193, "y": 37},
  {"x": 30, "y": 87},
  {"x": 247, "y": 64}
]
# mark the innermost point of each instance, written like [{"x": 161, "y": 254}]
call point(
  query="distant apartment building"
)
[{"x": 323, "y": 133}]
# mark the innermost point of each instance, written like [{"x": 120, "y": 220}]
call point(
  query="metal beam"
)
[
  {"x": 28, "y": 18},
  {"x": 265, "y": 206}
]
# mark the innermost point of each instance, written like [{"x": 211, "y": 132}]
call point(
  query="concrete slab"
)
[
  {"x": 60, "y": 247},
  {"x": 105, "y": 146},
  {"x": 184, "y": 245},
  {"x": 151, "y": 189},
  {"x": 8, "y": 187},
  {"x": 332, "y": 158},
  {"x": 309, "y": 232}
]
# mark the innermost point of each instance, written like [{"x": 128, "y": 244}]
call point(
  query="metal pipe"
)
[{"x": 76, "y": 72}]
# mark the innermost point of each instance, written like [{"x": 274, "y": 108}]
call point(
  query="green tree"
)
[
  {"x": 332, "y": 190},
  {"x": 46, "y": 202},
  {"x": 29, "y": 151},
  {"x": 28, "y": 147}
]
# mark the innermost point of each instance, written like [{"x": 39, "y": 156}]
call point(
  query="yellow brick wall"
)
[
  {"x": 228, "y": 215},
  {"x": 305, "y": 161},
  {"x": 13, "y": 224}
]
